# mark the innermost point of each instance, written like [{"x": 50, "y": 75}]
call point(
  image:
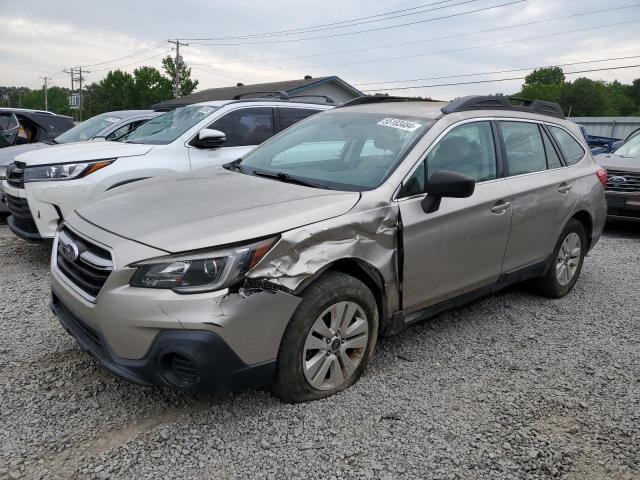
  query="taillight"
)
[{"x": 602, "y": 176}]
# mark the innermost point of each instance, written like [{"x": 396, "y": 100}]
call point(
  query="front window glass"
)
[
  {"x": 571, "y": 149},
  {"x": 166, "y": 128},
  {"x": 244, "y": 127},
  {"x": 7, "y": 121},
  {"x": 631, "y": 148},
  {"x": 87, "y": 129},
  {"x": 340, "y": 150},
  {"x": 524, "y": 147},
  {"x": 467, "y": 149}
]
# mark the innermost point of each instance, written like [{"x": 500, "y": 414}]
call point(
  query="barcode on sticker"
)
[{"x": 401, "y": 124}]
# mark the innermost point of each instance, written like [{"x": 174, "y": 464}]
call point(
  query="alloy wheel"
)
[
  {"x": 335, "y": 345},
  {"x": 568, "y": 259}
]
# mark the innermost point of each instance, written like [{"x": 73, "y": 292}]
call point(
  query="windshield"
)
[
  {"x": 338, "y": 150},
  {"x": 631, "y": 148},
  {"x": 87, "y": 129},
  {"x": 166, "y": 128}
]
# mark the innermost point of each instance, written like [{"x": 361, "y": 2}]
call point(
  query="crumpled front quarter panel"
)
[{"x": 367, "y": 233}]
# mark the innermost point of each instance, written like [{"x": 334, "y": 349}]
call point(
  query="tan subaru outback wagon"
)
[{"x": 286, "y": 266}]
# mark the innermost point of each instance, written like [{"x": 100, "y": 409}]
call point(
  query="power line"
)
[
  {"x": 129, "y": 55},
  {"x": 445, "y": 37},
  {"x": 345, "y": 23},
  {"x": 214, "y": 73},
  {"x": 473, "y": 47},
  {"x": 500, "y": 79},
  {"x": 498, "y": 71},
  {"x": 157, "y": 55},
  {"x": 377, "y": 29}
]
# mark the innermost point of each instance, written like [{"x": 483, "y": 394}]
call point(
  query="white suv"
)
[{"x": 44, "y": 187}]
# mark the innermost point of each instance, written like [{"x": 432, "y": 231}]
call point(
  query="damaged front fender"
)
[{"x": 368, "y": 233}]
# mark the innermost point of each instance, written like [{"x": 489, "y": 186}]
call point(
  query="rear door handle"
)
[
  {"x": 500, "y": 207},
  {"x": 564, "y": 187}
]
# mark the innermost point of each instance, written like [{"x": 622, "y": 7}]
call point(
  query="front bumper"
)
[
  {"x": 205, "y": 361},
  {"x": 3, "y": 202},
  {"x": 623, "y": 204}
]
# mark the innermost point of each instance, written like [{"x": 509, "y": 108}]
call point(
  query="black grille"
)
[
  {"x": 182, "y": 368},
  {"x": 630, "y": 184},
  {"x": 22, "y": 218},
  {"x": 85, "y": 264},
  {"x": 15, "y": 174}
]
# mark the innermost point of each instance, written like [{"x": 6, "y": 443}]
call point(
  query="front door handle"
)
[
  {"x": 500, "y": 207},
  {"x": 564, "y": 188}
]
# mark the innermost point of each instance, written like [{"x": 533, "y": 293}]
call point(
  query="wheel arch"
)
[
  {"x": 364, "y": 272},
  {"x": 586, "y": 220}
]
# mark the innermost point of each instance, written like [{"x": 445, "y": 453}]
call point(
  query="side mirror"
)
[
  {"x": 445, "y": 183},
  {"x": 210, "y": 138}
]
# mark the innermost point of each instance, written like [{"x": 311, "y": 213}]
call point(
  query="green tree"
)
[
  {"x": 187, "y": 85},
  {"x": 585, "y": 97},
  {"x": 545, "y": 76},
  {"x": 150, "y": 87}
]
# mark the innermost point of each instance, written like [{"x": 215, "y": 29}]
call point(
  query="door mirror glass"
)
[
  {"x": 444, "y": 183},
  {"x": 210, "y": 138}
]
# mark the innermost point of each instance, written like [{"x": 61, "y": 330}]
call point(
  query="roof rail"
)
[
  {"x": 382, "y": 98},
  {"x": 280, "y": 95},
  {"x": 501, "y": 102},
  {"x": 327, "y": 98}
]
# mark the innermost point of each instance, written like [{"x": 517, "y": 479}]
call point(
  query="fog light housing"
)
[{"x": 179, "y": 370}]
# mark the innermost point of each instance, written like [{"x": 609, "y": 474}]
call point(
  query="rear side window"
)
[
  {"x": 553, "y": 160},
  {"x": 248, "y": 126},
  {"x": 289, "y": 116},
  {"x": 571, "y": 149},
  {"x": 524, "y": 147}
]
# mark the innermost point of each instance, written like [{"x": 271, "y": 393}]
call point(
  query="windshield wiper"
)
[{"x": 285, "y": 177}]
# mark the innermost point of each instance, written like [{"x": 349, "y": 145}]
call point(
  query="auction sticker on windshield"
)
[{"x": 400, "y": 124}]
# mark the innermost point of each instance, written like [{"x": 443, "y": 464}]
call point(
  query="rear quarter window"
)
[{"x": 571, "y": 149}]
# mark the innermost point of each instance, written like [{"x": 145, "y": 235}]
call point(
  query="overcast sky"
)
[{"x": 43, "y": 37}]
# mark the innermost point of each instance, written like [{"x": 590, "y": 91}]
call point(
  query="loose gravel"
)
[{"x": 511, "y": 387}]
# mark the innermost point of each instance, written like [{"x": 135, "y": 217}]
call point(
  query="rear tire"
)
[
  {"x": 329, "y": 340},
  {"x": 566, "y": 261}
]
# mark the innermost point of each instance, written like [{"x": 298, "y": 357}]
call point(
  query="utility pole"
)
[
  {"x": 76, "y": 78},
  {"x": 46, "y": 101},
  {"x": 178, "y": 62}
]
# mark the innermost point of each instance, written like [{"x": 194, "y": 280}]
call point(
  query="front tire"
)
[
  {"x": 566, "y": 262},
  {"x": 329, "y": 340}
]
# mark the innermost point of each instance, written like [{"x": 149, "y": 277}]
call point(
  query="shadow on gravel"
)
[{"x": 623, "y": 228}]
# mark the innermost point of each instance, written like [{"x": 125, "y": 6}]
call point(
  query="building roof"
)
[{"x": 227, "y": 93}]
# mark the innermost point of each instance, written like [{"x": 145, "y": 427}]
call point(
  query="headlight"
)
[
  {"x": 200, "y": 272},
  {"x": 3, "y": 172},
  {"x": 63, "y": 171}
]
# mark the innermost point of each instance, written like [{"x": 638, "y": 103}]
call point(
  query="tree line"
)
[
  {"x": 583, "y": 97},
  {"x": 118, "y": 90}
]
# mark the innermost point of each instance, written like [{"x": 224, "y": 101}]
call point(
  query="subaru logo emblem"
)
[
  {"x": 70, "y": 251},
  {"x": 618, "y": 180}
]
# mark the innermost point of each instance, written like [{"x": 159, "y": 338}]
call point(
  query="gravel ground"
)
[{"x": 514, "y": 386}]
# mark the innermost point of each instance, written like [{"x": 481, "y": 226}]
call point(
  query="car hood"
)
[
  {"x": 611, "y": 161},
  {"x": 210, "y": 208},
  {"x": 83, "y": 151},
  {"x": 8, "y": 154}
]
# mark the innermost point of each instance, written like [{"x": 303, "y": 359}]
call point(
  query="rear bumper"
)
[
  {"x": 205, "y": 359},
  {"x": 623, "y": 205}
]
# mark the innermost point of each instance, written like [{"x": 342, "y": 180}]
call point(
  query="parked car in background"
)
[
  {"x": 284, "y": 266},
  {"x": 599, "y": 144},
  {"x": 43, "y": 187},
  {"x": 107, "y": 126},
  {"x": 623, "y": 179},
  {"x": 19, "y": 126}
]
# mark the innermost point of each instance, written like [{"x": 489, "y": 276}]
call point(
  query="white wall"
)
[{"x": 616, "y": 127}]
